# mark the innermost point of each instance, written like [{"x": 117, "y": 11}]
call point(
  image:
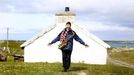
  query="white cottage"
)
[{"x": 36, "y": 49}]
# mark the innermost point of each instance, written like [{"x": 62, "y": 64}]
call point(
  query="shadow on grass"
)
[{"x": 78, "y": 68}]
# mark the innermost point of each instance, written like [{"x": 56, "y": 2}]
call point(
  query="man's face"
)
[{"x": 68, "y": 26}]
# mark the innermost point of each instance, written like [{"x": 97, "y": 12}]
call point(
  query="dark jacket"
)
[{"x": 70, "y": 40}]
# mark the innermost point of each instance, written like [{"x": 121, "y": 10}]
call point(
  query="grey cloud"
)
[
  {"x": 30, "y": 6},
  {"x": 124, "y": 17},
  {"x": 114, "y": 12}
]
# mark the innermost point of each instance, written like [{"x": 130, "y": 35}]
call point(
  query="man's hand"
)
[
  {"x": 49, "y": 44},
  {"x": 86, "y": 45}
]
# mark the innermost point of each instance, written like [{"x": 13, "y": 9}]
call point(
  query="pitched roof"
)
[
  {"x": 49, "y": 28},
  {"x": 92, "y": 37},
  {"x": 83, "y": 30}
]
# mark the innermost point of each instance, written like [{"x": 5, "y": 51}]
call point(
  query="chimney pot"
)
[{"x": 67, "y": 9}]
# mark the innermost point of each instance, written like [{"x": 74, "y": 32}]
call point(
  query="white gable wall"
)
[{"x": 38, "y": 51}]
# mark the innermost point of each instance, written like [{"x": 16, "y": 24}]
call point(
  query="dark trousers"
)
[{"x": 66, "y": 58}]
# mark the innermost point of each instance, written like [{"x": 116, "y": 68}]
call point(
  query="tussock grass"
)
[{"x": 125, "y": 56}]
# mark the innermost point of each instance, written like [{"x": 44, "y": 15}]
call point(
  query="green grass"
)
[
  {"x": 11, "y": 68},
  {"x": 14, "y": 47},
  {"x": 125, "y": 56},
  {"x": 13, "y": 44},
  {"x": 21, "y": 68}
]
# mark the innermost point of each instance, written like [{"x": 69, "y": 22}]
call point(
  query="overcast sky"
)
[{"x": 107, "y": 19}]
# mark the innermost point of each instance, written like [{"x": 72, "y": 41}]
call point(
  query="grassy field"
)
[
  {"x": 12, "y": 68},
  {"x": 126, "y": 56},
  {"x": 14, "y": 47},
  {"x": 21, "y": 68}
]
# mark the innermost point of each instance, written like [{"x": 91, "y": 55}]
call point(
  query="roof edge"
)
[
  {"x": 65, "y": 14},
  {"x": 44, "y": 31}
]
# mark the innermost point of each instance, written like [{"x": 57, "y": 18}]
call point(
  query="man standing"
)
[{"x": 66, "y": 38}]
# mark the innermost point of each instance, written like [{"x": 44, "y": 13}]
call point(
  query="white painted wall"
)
[
  {"x": 64, "y": 19},
  {"x": 38, "y": 51}
]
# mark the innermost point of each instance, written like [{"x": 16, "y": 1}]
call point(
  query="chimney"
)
[
  {"x": 67, "y": 9},
  {"x": 63, "y": 17}
]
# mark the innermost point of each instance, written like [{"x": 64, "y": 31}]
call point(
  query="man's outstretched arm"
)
[
  {"x": 55, "y": 40},
  {"x": 77, "y": 38}
]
